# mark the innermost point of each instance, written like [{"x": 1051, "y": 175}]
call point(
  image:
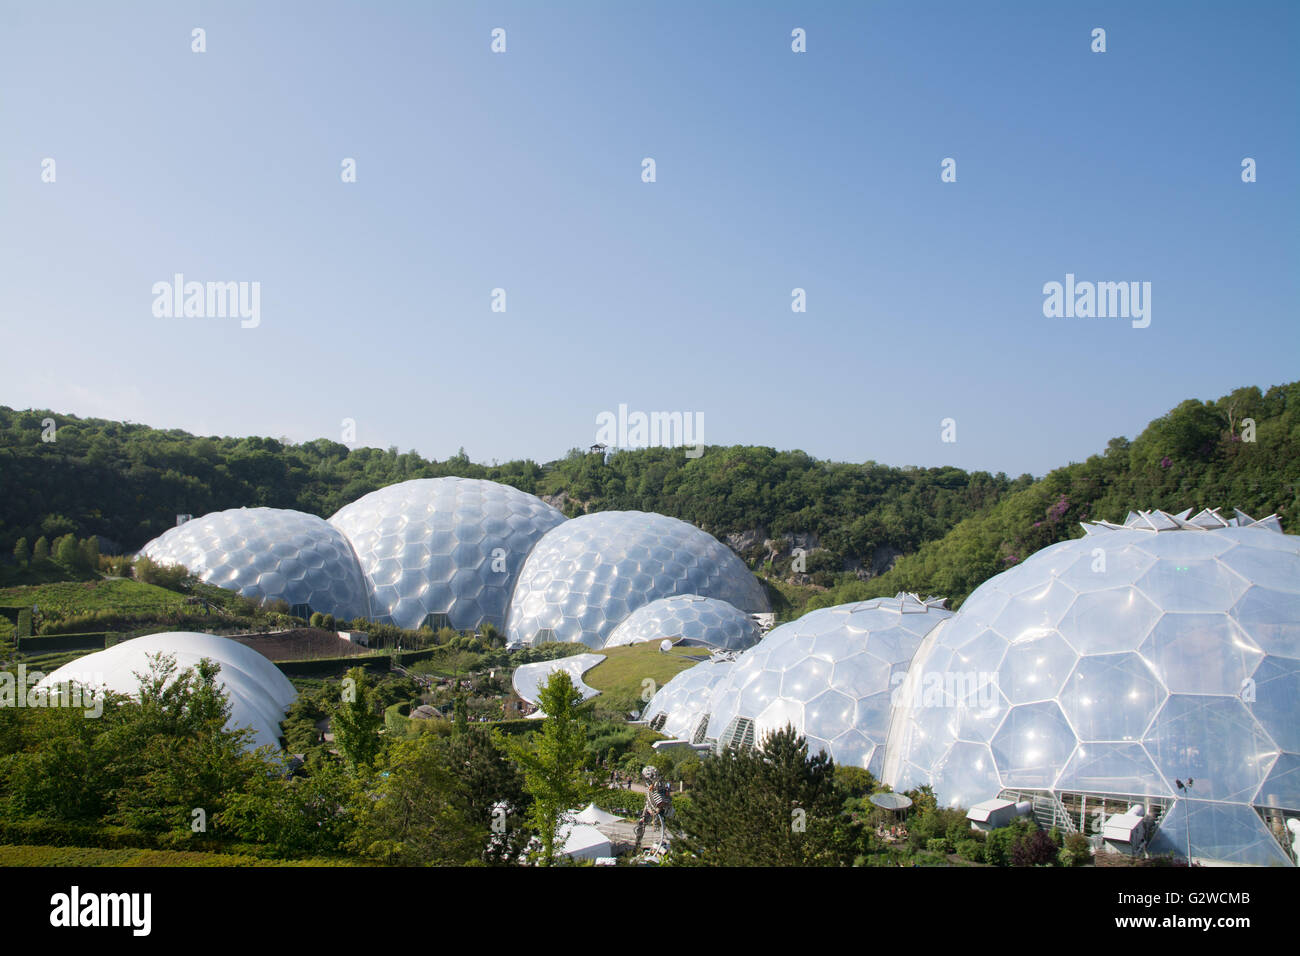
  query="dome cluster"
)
[
  {"x": 464, "y": 552},
  {"x": 1104, "y": 668},
  {"x": 587, "y": 575}
]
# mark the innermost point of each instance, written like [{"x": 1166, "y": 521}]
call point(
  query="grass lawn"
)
[
  {"x": 101, "y": 594},
  {"x": 624, "y": 669},
  {"x": 95, "y": 856}
]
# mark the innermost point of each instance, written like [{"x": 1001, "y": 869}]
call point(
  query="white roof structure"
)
[
  {"x": 528, "y": 678},
  {"x": 594, "y": 815},
  {"x": 258, "y": 692},
  {"x": 581, "y": 841}
]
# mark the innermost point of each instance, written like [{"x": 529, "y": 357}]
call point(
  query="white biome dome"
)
[
  {"x": 680, "y": 708},
  {"x": 587, "y": 575},
  {"x": 446, "y": 547},
  {"x": 258, "y": 692},
  {"x": 269, "y": 554},
  {"x": 830, "y": 674},
  {"x": 1114, "y": 665},
  {"x": 690, "y": 618}
]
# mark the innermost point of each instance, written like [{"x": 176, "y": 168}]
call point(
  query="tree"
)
[
  {"x": 493, "y": 790},
  {"x": 314, "y": 812},
  {"x": 41, "y": 552},
  {"x": 355, "y": 721},
  {"x": 67, "y": 553},
  {"x": 461, "y": 725},
  {"x": 20, "y": 552},
  {"x": 553, "y": 759},
  {"x": 173, "y": 754},
  {"x": 419, "y": 814},
  {"x": 775, "y": 805},
  {"x": 90, "y": 553}
]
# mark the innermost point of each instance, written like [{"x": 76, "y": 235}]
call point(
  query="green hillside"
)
[
  {"x": 943, "y": 530},
  {"x": 1198, "y": 456}
]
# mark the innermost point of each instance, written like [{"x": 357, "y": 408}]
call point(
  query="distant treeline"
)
[{"x": 128, "y": 482}]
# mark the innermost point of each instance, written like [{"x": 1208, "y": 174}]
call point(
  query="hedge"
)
[{"x": 51, "y": 643}]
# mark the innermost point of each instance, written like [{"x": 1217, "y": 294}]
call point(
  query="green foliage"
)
[
  {"x": 775, "y": 805},
  {"x": 307, "y": 814},
  {"x": 853, "y": 781},
  {"x": 1076, "y": 851},
  {"x": 355, "y": 721},
  {"x": 416, "y": 814},
  {"x": 971, "y": 850},
  {"x": 553, "y": 761},
  {"x": 1194, "y": 457}
]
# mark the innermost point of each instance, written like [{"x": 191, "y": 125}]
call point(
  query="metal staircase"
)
[{"x": 1048, "y": 811}]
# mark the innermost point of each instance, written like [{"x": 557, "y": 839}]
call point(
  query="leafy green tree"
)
[
  {"x": 553, "y": 760},
  {"x": 356, "y": 721},
  {"x": 312, "y": 813},
  {"x": 66, "y": 553},
  {"x": 21, "y": 554},
  {"x": 41, "y": 552},
  {"x": 418, "y": 814},
  {"x": 90, "y": 553},
  {"x": 173, "y": 754}
]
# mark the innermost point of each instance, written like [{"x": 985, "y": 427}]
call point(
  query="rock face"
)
[
  {"x": 561, "y": 501},
  {"x": 744, "y": 540}
]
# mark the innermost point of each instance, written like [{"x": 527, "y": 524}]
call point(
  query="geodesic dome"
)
[
  {"x": 688, "y": 617},
  {"x": 258, "y": 692},
  {"x": 587, "y": 575},
  {"x": 679, "y": 707},
  {"x": 444, "y": 546},
  {"x": 831, "y": 674},
  {"x": 269, "y": 554},
  {"x": 1163, "y": 649}
]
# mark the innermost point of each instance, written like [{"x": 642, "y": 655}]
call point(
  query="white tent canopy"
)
[
  {"x": 582, "y": 841},
  {"x": 594, "y": 816}
]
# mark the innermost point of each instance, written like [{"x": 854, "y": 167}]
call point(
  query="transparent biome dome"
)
[
  {"x": 269, "y": 554},
  {"x": 258, "y": 692},
  {"x": 1162, "y": 649},
  {"x": 585, "y": 576},
  {"x": 448, "y": 547},
  {"x": 831, "y": 674},
  {"x": 679, "y": 709},
  {"x": 688, "y": 617}
]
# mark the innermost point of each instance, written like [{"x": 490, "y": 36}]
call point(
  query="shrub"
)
[
  {"x": 1076, "y": 852},
  {"x": 970, "y": 850},
  {"x": 1036, "y": 849},
  {"x": 937, "y": 845}
]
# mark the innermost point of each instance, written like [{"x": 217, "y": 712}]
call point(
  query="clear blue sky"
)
[{"x": 775, "y": 170}]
